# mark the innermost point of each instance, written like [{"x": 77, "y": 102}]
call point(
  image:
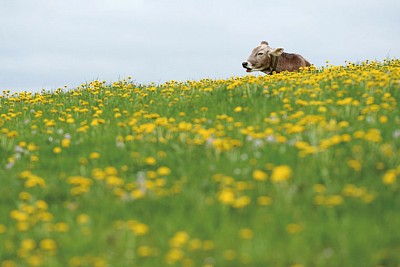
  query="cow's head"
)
[{"x": 260, "y": 58}]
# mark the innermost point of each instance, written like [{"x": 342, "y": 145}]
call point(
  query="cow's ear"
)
[
  {"x": 276, "y": 52},
  {"x": 264, "y": 43}
]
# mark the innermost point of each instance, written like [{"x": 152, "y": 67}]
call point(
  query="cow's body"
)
[
  {"x": 291, "y": 62},
  {"x": 269, "y": 60}
]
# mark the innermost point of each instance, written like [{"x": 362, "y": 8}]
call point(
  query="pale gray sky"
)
[{"x": 52, "y": 43}]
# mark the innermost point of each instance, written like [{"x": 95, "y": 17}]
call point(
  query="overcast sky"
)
[{"x": 52, "y": 43}]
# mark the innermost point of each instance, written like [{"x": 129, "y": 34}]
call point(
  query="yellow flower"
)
[
  {"x": 179, "y": 239},
  {"x": 383, "y": 119},
  {"x": 34, "y": 158},
  {"x": 389, "y": 177},
  {"x": 174, "y": 255},
  {"x": 48, "y": 245},
  {"x": 163, "y": 171},
  {"x": 41, "y": 205},
  {"x": 150, "y": 161},
  {"x": 241, "y": 202},
  {"x": 114, "y": 181},
  {"x": 50, "y": 123},
  {"x": 226, "y": 196},
  {"x": 293, "y": 228},
  {"x": 25, "y": 196},
  {"x": 208, "y": 245},
  {"x": 334, "y": 200},
  {"x": 137, "y": 193},
  {"x": 144, "y": 251},
  {"x": 281, "y": 173},
  {"x": 57, "y": 150},
  {"x": 229, "y": 254},
  {"x": 195, "y": 244},
  {"x": 12, "y": 134},
  {"x": 61, "y": 227},
  {"x": 264, "y": 200},
  {"x": 238, "y": 109},
  {"x": 65, "y": 143},
  {"x": 28, "y": 244},
  {"x": 111, "y": 171},
  {"x": 3, "y": 229},
  {"x": 22, "y": 226},
  {"x": 34, "y": 181},
  {"x": 83, "y": 218},
  {"x": 34, "y": 260},
  {"x": 151, "y": 174},
  {"x": 8, "y": 263},
  {"x": 138, "y": 228},
  {"x": 259, "y": 175},
  {"x": 32, "y": 147},
  {"x": 319, "y": 188},
  {"x": 94, "y": 155},
  {"x": 246, "y": 233},
  {"x": 354, "y": 164}
]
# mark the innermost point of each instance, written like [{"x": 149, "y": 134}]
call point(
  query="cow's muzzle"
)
[{"x": 247, "y": 66}]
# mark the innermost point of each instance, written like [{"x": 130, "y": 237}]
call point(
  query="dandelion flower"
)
[
  {"x": 48, "y": 245},
  {"x": 150, "y": 161},
  {"x": 293, "y": 228},
  {"x": 389, "y": 177},
  {"x": 246, "y": 233},
  {"x": 94, "y": 155},
  {"x": 163, "y": 171},
  {"x": 259, "y": 175},
  {"x": 281, "y": 173}
]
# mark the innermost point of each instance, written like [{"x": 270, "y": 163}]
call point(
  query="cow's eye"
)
[{"x": 260, "y": 54}]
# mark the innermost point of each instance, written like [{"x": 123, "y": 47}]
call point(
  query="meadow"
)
[{"x": 292, "y": 169}]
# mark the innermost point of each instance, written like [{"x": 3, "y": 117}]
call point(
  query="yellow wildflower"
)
[
  {"x": 150, "y": 161},
  {"x": 8, "y": 263},
  {"x": 138, "y": 228},
  {"x": 281, "y": 173},
  {"x": 163, "y": 171},
  {"x": 179, "y": 239},
  {"x": 264, "y": 200},
  {"x": 65, "y": 143},
  {"x": 246, "y": 233},
  {"x": 229, "y": 254},
  {"x": 28, "y": 244},
  {"x": 259, "y": 175},
  {"x": 83, "y": 218},
  {"x": 241, "y": 202},
  {"x": 293, "y": 228},
  {"x": 48, "y": 245},
  {"x": 3, "y": 228},
  {"x": 389, "y": 177},
  {"x": 238, "y": 109},
  {"x": 94, "y": 155},
  {"x": 226, "y": 196},
  {"x": 144, "y": 251},
  {"x": 174, "y": 255}
]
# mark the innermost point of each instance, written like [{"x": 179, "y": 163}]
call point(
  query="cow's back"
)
[{"x": 292, "y": 62}]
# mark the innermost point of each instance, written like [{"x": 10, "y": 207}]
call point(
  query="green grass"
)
[{"x": 293, "y": 169}]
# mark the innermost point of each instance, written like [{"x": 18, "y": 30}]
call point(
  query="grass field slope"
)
[{"x": 292, "y": 169}]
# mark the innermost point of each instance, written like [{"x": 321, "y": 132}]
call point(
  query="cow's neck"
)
[
  {"x": 273, "y": 66},
  {"x": 274, "y": 62}
]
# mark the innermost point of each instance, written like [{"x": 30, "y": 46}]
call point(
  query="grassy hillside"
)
[{"x": 293, "y": 169}]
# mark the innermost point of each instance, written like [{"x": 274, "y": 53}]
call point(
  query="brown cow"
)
[{"x": 267, "y": 59}]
